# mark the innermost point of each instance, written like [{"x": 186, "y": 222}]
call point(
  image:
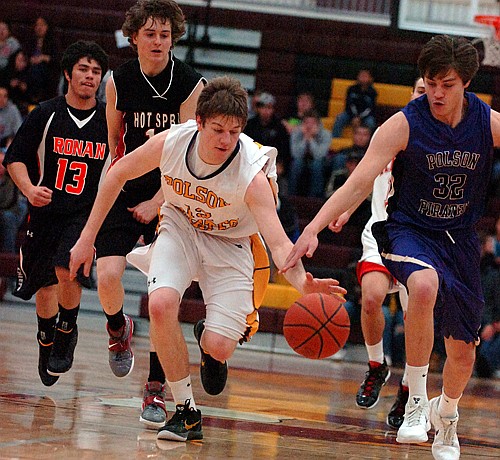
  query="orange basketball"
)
[{"x": 316, "y": 326}]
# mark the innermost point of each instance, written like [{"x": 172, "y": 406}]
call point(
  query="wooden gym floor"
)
[{"x": 275, "y": 406}]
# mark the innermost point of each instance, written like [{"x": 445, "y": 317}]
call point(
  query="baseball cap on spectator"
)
[{"x": 266, "y": 99}]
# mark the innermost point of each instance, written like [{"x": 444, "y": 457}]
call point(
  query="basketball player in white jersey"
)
[{"x": 219, "y": 196}]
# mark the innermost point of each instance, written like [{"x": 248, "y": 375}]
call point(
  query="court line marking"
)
[{"x": 206, "y": 410}]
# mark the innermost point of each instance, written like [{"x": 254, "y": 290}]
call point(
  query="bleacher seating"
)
[{"x": 391, "y": 98}]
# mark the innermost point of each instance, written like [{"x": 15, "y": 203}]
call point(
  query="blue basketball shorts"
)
[{"x": 455, "y": 256}]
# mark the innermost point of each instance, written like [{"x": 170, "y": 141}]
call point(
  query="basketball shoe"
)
[
  {"x": 445, "y": 445},
  {"x": 396, "y": 414},
  {"x": 63, "y": 350},
  {"x": 185, "y": 424},
  {"x": 154, "y": 413},
  {"x": 213, "y": 373},
  {"x": 416, "y": 421},
  {"x": 121, "y": 358},
  {"x": 376, "y": 377},
  {"x": 44, "y": 350}
]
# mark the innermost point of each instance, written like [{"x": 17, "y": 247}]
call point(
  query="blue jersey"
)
[{"x": 441, "y": 178}]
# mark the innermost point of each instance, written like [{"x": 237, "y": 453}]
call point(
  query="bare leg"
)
[
  {"x": 109, "y": 287},
  {"x": 458, "y": 366},
  {"x": 374, "y": 287},
  {"x": 419, "y": 324}
]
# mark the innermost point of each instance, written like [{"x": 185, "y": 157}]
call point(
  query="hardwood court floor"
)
[{"x": 275, "y": 406}]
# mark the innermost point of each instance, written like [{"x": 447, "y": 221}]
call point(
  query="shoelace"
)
[
  {"x": 373, "y": 376},
  {"x": 414, "y": 415},
  {"x": 450, "y": 430}
]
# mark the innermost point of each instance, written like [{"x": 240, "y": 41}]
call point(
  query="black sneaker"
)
[
  {"x": 213, "y": 373},
  {"x": 185, "y": 424},
  {"x": 396, "y": 415},
  {"x": 61, "y": 356},
  {"x": 44, "y": 350},
  {"x": 368, "y": 394}
]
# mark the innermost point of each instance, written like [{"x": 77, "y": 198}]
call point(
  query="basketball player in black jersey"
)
[
  {"x": 57, "y": 159},
  {"x": 144, "y": 96}
]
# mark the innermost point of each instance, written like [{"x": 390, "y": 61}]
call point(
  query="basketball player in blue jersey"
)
[
  {"x": 57, "y": 159},
  {"x": 219, "y": 190},
  {"x": 444, "y": 144},
  {"x": 144, "y": 96},
  {"x": 376, "y": 282}
]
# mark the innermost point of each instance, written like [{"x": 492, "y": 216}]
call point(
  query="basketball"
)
[{"x": 316, "y": 326}]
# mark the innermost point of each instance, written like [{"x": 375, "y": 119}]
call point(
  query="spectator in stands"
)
[
  {"x": 42, "y": 54},
  {"x": 360, "y": 104},
  {"x": 304, "y": 103},
  {"x": 13, "y": 210},
  {"x": 496, "y": 242},
  {"x": 17, "y": 81},
  {"x": 252, "y": 103},
  {"x": 10, "y": 119},
  {"x": 339, "y": 177},
  {"x": 309, "y": 146},
  {"x": 266, "y": 128},
  {"x": 336, "y": 161},
  {"x": 488, "y": 353},
  {"x": 8, "y": 45}
]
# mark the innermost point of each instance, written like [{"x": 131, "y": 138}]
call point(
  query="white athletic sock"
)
[
  {"x": 404, "y": 380},
  {"x": 417, "y": 380},
  {"x": 448, "y": 407},
  {"x": 376, "y": 352},
  {"x": 181, "y": 391}
]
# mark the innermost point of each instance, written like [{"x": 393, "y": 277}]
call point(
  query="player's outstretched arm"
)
[
  {"x": 137, "y": 163},
  {"x": 260, "y": 200}
]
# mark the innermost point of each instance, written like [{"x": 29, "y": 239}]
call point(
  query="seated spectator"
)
[
  {"x": 304, "y": 103},
  {"x": 267, "y": 129},
  {"x": 17, "y": 81},
  {"x": 338, "y": 178},
  {"x": 361, "y": 139},
  {"x": 10, "y": 119},
  {"x": 8, "y": 45},
  {"x": 309, "y": 146},
  {"x": 41, "y": 50},
  {"x": 13, "y": 210},
  {"x": 488, "y": 352},
  {"x": 360, "y": 105}
]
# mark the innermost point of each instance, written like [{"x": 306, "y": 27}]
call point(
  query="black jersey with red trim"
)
[
  {"x": 150, "y": 105},
  {"x": 65, "y": 150}
]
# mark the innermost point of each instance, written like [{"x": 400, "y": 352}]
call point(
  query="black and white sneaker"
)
[
  {"x": 213, "y": 373},
  {"x": 396, "y": 415},
  {"x": 63, "y": 350},
  {"x": 368, "y": 394},
  {"x": 185, "y": 424}
]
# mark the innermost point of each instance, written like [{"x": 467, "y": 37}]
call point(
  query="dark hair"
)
[
  {"x": 82, "y": 48},
  {"x": 443, "y": 53},
  {"x": 311, "y": 113},
  {"x": 223, "y": 96},
  {"x": 163, "y": 10}
]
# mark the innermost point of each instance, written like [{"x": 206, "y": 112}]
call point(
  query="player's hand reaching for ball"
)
[
  {"x": 327, "y": 286},
  {"x": 305, "y": 245}
]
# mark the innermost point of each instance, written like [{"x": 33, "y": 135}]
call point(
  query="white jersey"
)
[
  {"x": 382, "y": 189},
  {"x": 215, "y": 203}
]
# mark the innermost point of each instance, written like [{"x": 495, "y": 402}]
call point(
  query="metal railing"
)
[{"x": 455, "y": 17}]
